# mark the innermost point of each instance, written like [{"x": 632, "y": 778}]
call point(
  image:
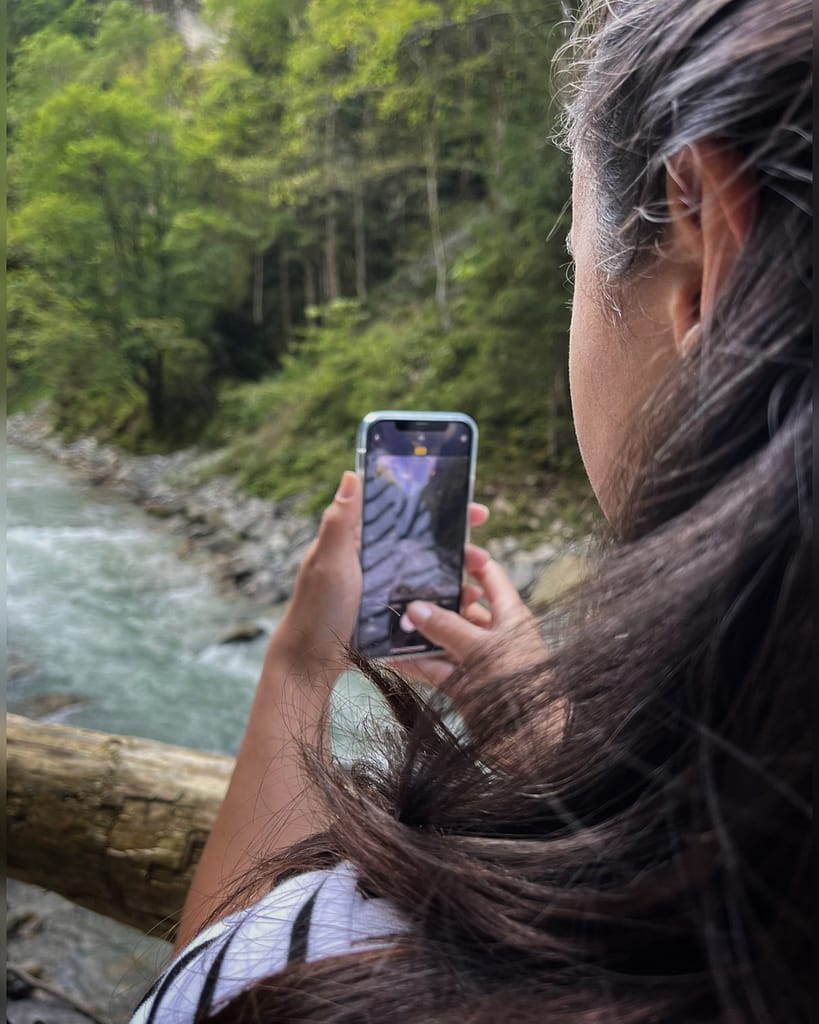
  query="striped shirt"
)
[{"x": 306, "y": 918}]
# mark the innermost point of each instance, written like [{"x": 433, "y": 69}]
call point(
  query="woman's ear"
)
[{"x": 711, "y": 206}]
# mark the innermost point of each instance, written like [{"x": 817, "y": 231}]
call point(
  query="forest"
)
[{"x": 314, "y": 209}]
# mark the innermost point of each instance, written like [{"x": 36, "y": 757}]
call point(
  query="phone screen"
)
[{"x": 416, "y": 491}]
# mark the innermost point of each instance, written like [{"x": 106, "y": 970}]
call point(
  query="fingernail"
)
[
  {"x": 419, "y": 611},
  {"x": 346, "y": 489},
  {"x": 406, "y": 624}
]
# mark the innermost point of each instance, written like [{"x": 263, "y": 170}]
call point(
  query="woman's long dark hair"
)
[{"x": 654, "y": 863}]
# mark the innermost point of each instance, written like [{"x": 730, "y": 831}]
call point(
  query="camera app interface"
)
[{"x": 415, "y": 491}]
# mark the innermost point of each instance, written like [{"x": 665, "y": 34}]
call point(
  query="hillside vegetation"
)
[{"x": 335, "y": 206}]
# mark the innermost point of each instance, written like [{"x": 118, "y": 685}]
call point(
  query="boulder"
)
[
  {"x": 242, "y": 633},
  {"x": 558, "y": 577}
]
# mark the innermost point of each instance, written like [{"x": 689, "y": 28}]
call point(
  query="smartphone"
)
[{"x": 418, "y": 470}]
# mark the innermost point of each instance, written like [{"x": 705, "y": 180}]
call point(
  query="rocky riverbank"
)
[
  {"x": 253, "y": 545},
  {"x": 67, "y": 965},
  {"x": 250, "y": 544}
]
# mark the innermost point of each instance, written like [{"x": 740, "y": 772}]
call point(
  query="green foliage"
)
[
  {"x": 28, "y": 17},
  {"x": 350, "y": 201},
  {"x": 116, "y": 221}
]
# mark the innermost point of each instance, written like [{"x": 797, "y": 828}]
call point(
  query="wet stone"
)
[{"x": 99, "y": 962}]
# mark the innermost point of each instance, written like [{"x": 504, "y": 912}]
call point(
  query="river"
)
[{"x": 109, "y": 629}]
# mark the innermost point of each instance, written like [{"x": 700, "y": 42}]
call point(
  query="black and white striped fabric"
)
[{"x": 308, "y": 917}]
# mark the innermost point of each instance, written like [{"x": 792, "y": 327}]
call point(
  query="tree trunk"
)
[
  {"x": 258, "y": 287},
  {"x": 498, "y": 140},
  {"x": 310, "y": 295},
  {"x": 284, "y": 296},
  {"x": 332, "y": 283},
  {"x": 360, "y": 243},
  {"x": 323, "y": 287},
  {"x": 155, "y": 388},
  {"x": 438, "y": 251},
  {"x": 114, "y": 823}
]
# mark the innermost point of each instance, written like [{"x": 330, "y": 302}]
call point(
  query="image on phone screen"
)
[{"x": 416, "y": 489}]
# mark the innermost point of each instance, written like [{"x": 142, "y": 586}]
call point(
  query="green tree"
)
[
  {"x": 121, "y": 216},
  {"x": 353, "y": 201}
]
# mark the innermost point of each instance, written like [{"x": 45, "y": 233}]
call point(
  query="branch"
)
[{"x": 55, "y": 990}]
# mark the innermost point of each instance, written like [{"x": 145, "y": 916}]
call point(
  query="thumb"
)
[{"x": 341, "y": 521}]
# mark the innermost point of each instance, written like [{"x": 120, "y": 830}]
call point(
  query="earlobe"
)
[
  {"x": 711, "y": 205},
  {"x": 685, "y": 311},
  {"x": 689, "y": 342}
]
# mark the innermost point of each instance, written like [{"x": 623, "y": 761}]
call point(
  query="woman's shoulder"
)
[{"x": 307, "y": 917}]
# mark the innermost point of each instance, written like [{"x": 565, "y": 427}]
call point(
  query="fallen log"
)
[{"x": 114, "y": 823}]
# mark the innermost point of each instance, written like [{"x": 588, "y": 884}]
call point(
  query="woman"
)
[{"x": 624, "y": 834}]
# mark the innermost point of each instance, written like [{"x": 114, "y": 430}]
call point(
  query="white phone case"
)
[{"x": 420, "y": 416}]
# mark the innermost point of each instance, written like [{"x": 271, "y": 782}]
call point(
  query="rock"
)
[
  {"x": 201, "y": 511},
  {"x": 163, "y": 508},
  {"x": 17, "y": 668},
  {"x": 555, "y": 579},
  {"x": 242, "y": 633},
  {"x": 502, "y": 506},
  {"x": 105, "y": 465},
  {"x": 199, "y": 530},
  {"x": 523, "y": 567},
  {"x": 248, "y": 559},
  {"x": 184, "y": 549},
  {"x": 17, "y": 987},
  {"x": 251, "y": 518},
  {"x": 278, "y": 543},
  {"x": 268, "y": 586},
  {"x": 501, "y": 548},
  {"x": 215, "y": 519},
  {"x": 176, "y": 524},
  {"x": 22, "y": 923},
  {"x": 221, "y": 542},
  {"x": 44, "y": 1009},
  {"x": 301, "y": 530},
  {"x": 93, "y": 959},
  {"x": 30, "y": 428},
  {"x": 292, "y": 562},
  {"x": 46, "y": 704}
]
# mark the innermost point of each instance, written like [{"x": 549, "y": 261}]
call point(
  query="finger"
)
[
  {"x": 445, "y": 628},
  {"x": 478, "y": 514},
  {"x": 503, "y": 598},
  {"x": 475, "y": 558},
  {"x": 470, "y": 593},
  {"x": 478, "y": 615}
]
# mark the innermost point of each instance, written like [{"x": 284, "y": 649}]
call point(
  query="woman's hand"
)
[
  {"x": 479, "y": 628},
  {"x": 501, "y": 635},
  {"x": 320, "y": 617}
]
